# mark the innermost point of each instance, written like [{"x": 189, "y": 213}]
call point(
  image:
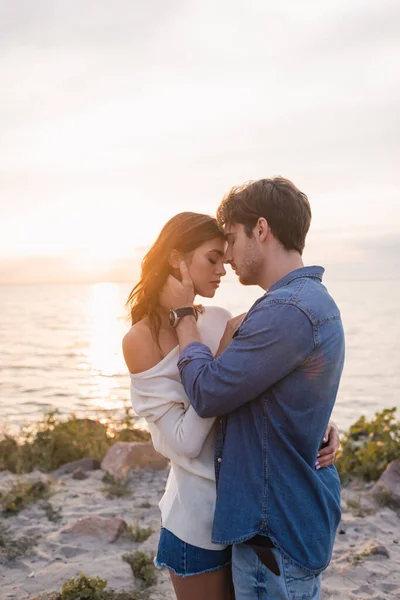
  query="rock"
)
[
  {"x": 380, "y": 551},
  {"x": 85, "y": 464},
  {"x": 70, "y": 551},
  {"x": 125, "y": 456},
  {"x": 79, "y": 474},
  {"x": 36, "y": 477},
  {"x": 108, "y": 530},
  {"x": 388, "y": 485}
]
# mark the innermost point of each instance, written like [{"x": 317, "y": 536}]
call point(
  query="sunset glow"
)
[
  {"x": 104, "y": 358},
  {"x": 110, "y": 126}
]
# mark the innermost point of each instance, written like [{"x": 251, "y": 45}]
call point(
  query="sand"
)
[{"x": 355, "y": 573}]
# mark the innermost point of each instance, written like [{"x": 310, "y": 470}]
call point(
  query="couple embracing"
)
[{"x": 241, "y": 405}]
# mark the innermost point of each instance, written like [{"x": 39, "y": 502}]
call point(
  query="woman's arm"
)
[
  {"x": 326, "y": 455},
  {"x": 159, "y": 400},
  {"x": 183, "y": 430}
]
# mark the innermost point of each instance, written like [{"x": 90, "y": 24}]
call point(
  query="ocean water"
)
[{"x": 60, "y": 347}]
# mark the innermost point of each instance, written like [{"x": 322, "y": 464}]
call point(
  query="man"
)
[{"x": 274, "y": 387}]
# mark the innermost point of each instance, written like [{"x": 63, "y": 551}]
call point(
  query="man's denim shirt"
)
[{"x": 274, "y": 388}]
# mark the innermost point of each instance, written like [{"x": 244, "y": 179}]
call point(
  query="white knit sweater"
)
[{"x": 187, "y": 506}]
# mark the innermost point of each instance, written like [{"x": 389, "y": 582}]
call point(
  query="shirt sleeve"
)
[
  {"x": 273, "y": 340},
  {"x": 183, "y": 430}
]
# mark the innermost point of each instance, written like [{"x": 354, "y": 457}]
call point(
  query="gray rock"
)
[
  {"x": 79, "y": 474},
  {"x": 108, "y": 530},
  {"x": 70, "y": 551},
  {"x": 380, "y": 551},
  {"x": 387, "y": 488},
  {"x": 85, "y": 464},
  {"x": 125, "y": 456}
]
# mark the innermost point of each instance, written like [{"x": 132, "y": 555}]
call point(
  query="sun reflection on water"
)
[{"x": 104, "y": 355}]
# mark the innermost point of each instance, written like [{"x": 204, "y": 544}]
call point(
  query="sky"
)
[{"x": 114, "y": 116}]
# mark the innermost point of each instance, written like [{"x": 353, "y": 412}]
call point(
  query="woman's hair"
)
[{"x": 184, "y": 233}]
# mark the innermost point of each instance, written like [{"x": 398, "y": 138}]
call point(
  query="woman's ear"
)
[{"x": 174, "y": 259}]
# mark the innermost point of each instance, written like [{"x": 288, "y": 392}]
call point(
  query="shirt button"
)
[{"x": 219, "y": 459}]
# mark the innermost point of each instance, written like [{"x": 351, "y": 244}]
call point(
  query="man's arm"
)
[{"x": 274, "y": 339}]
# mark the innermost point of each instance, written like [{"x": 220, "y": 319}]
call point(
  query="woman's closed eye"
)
[{"x": 213, "y": 262}]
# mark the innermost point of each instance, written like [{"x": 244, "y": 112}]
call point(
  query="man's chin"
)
[{"x": 245, "y": 280}]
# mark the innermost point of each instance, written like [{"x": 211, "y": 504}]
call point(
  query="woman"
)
[{"x": 199, "y": 569}]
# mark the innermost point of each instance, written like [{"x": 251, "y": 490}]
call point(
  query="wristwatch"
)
[{"x": 174, "y": 316}]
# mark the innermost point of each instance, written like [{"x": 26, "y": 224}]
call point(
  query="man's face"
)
[{"x": 243, "y": 254}]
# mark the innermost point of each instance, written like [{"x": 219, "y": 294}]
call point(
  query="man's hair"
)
[{"x": 278, "y": 200}]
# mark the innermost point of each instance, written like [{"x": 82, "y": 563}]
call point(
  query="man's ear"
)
[{"x": 261, "y": 229}]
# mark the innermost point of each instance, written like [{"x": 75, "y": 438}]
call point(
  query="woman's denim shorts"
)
[{"x": 184, "y": 559}]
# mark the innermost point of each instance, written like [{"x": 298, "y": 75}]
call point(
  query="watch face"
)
[{"x": 171, "y": 318}]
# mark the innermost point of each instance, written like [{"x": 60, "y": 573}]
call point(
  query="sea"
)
[{"x": 60, "y": 348}]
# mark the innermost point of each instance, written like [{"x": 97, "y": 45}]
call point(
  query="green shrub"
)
[
  {"x": 142, "y": 567},
  {"x": 23, "y": 493},
  {"x": 11, "y": 547},
  {"x": 115, "y": 488},
  {"x": 137, "y": 534},
  {"x": 55, "y": 441},
  {"x": 82, "y": 587},
  {"x": 369, "y": 447},
  {"x": 53, "y": 514}
]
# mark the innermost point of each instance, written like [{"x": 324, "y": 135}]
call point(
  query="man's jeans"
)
[{"x": 253, "y": 581}]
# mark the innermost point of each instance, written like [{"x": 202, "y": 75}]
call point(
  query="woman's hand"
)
[
  {"x": 326, "y": 456},
  {"x": 230, "y": 329}
]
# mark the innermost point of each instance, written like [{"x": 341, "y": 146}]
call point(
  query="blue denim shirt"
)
[{"x": 274, "y": 388}]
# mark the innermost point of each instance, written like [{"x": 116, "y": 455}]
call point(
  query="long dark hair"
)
[{"x": 184, "y": 232}]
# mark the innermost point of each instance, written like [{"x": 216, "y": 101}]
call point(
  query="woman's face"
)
[{"x": 206, "y": 267}]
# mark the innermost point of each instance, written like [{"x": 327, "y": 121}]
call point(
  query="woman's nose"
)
[{"x": 221, "y": 269}]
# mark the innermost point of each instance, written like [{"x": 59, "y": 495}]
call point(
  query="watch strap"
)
[
  {"x": 185, "y": 312},
  {"x": 176, "y": 315}
]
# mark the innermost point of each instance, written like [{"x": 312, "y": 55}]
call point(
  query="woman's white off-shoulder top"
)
[{"x": 187, "y": 506}]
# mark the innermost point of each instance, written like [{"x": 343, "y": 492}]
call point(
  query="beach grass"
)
[
  {"x": 23, "y": 493},
  {"x": 142, "y": 567},
  {"x": 91, "y": 588},
  {"x": 12, "y": 547},
  {"x": 55, "y": 441},
  {"x": 138, "y": 534},
  {"x": 369, "y": 446}
]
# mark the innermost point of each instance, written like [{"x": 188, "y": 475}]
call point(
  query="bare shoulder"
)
[{"x": 140, "y": 350}]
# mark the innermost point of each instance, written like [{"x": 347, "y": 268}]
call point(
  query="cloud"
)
[{"x": 149, "y": 108}]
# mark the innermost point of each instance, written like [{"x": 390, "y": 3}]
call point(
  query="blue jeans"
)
[
  {"x": 253, "y": 581},
  {"x": 185, "y": 560}
]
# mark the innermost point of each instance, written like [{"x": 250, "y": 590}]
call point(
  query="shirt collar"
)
[{"x": 314, "y": 272}]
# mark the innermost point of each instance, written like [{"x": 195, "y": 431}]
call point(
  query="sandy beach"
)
[{"x": 365, "y": 563}]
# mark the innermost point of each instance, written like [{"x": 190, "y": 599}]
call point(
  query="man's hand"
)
[
  {"x": 326, "y": 456},
  {"x": 230, "y": 329},
  {"x": 178, "y": 294}
]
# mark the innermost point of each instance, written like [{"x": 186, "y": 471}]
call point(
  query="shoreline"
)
[{"x": 356, "y": 571}]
